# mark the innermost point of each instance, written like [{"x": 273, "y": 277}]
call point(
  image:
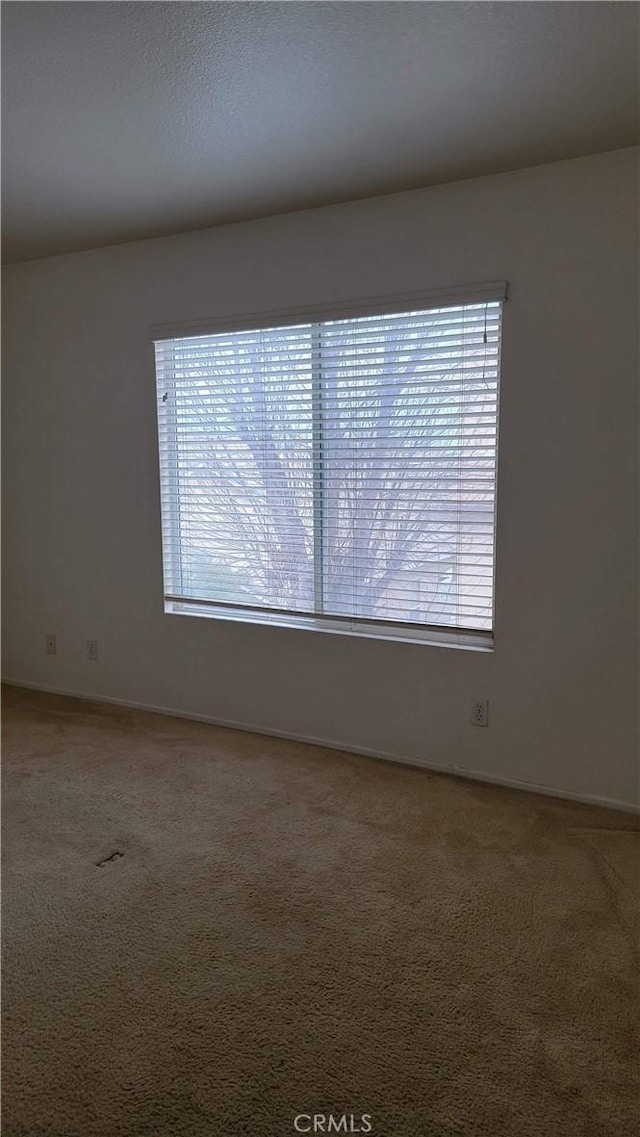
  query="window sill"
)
[{"x": 434, "y": 637}]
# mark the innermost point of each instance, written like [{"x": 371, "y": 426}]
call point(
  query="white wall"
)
[{"x": 81, "y": 514}]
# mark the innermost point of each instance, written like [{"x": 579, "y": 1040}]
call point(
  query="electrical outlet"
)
[
  {"x": 480, "y": 712},
  {"x": 50, "y": 641},
  {"x": 92, "y": 649}
]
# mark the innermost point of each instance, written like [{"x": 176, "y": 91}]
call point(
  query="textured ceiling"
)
[{"x": 129, "y": 120}]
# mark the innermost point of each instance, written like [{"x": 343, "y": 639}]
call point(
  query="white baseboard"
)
[{"x": 328, "y": 744}]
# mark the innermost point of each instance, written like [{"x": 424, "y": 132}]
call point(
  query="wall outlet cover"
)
[{"x": 480, "y": 712}]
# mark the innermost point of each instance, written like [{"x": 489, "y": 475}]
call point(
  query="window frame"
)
[{"x": 388, "y": 630}]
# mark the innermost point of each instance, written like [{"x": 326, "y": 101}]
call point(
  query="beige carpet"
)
[{"x": 208, "y": 933}]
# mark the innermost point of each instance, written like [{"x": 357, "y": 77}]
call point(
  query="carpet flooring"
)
[{"x": 209, "y": 933}]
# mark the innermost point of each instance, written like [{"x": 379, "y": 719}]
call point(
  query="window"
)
[{"x": 338, "y": 473}]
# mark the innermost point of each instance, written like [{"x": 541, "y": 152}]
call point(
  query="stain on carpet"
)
[{"x": 116, "y": 855}]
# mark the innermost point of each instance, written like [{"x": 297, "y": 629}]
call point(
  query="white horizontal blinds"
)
[
  {"x": 343, "y": 468},
  {"x": 409, "y": 446},
  {"x": 235, "y": 430}
]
